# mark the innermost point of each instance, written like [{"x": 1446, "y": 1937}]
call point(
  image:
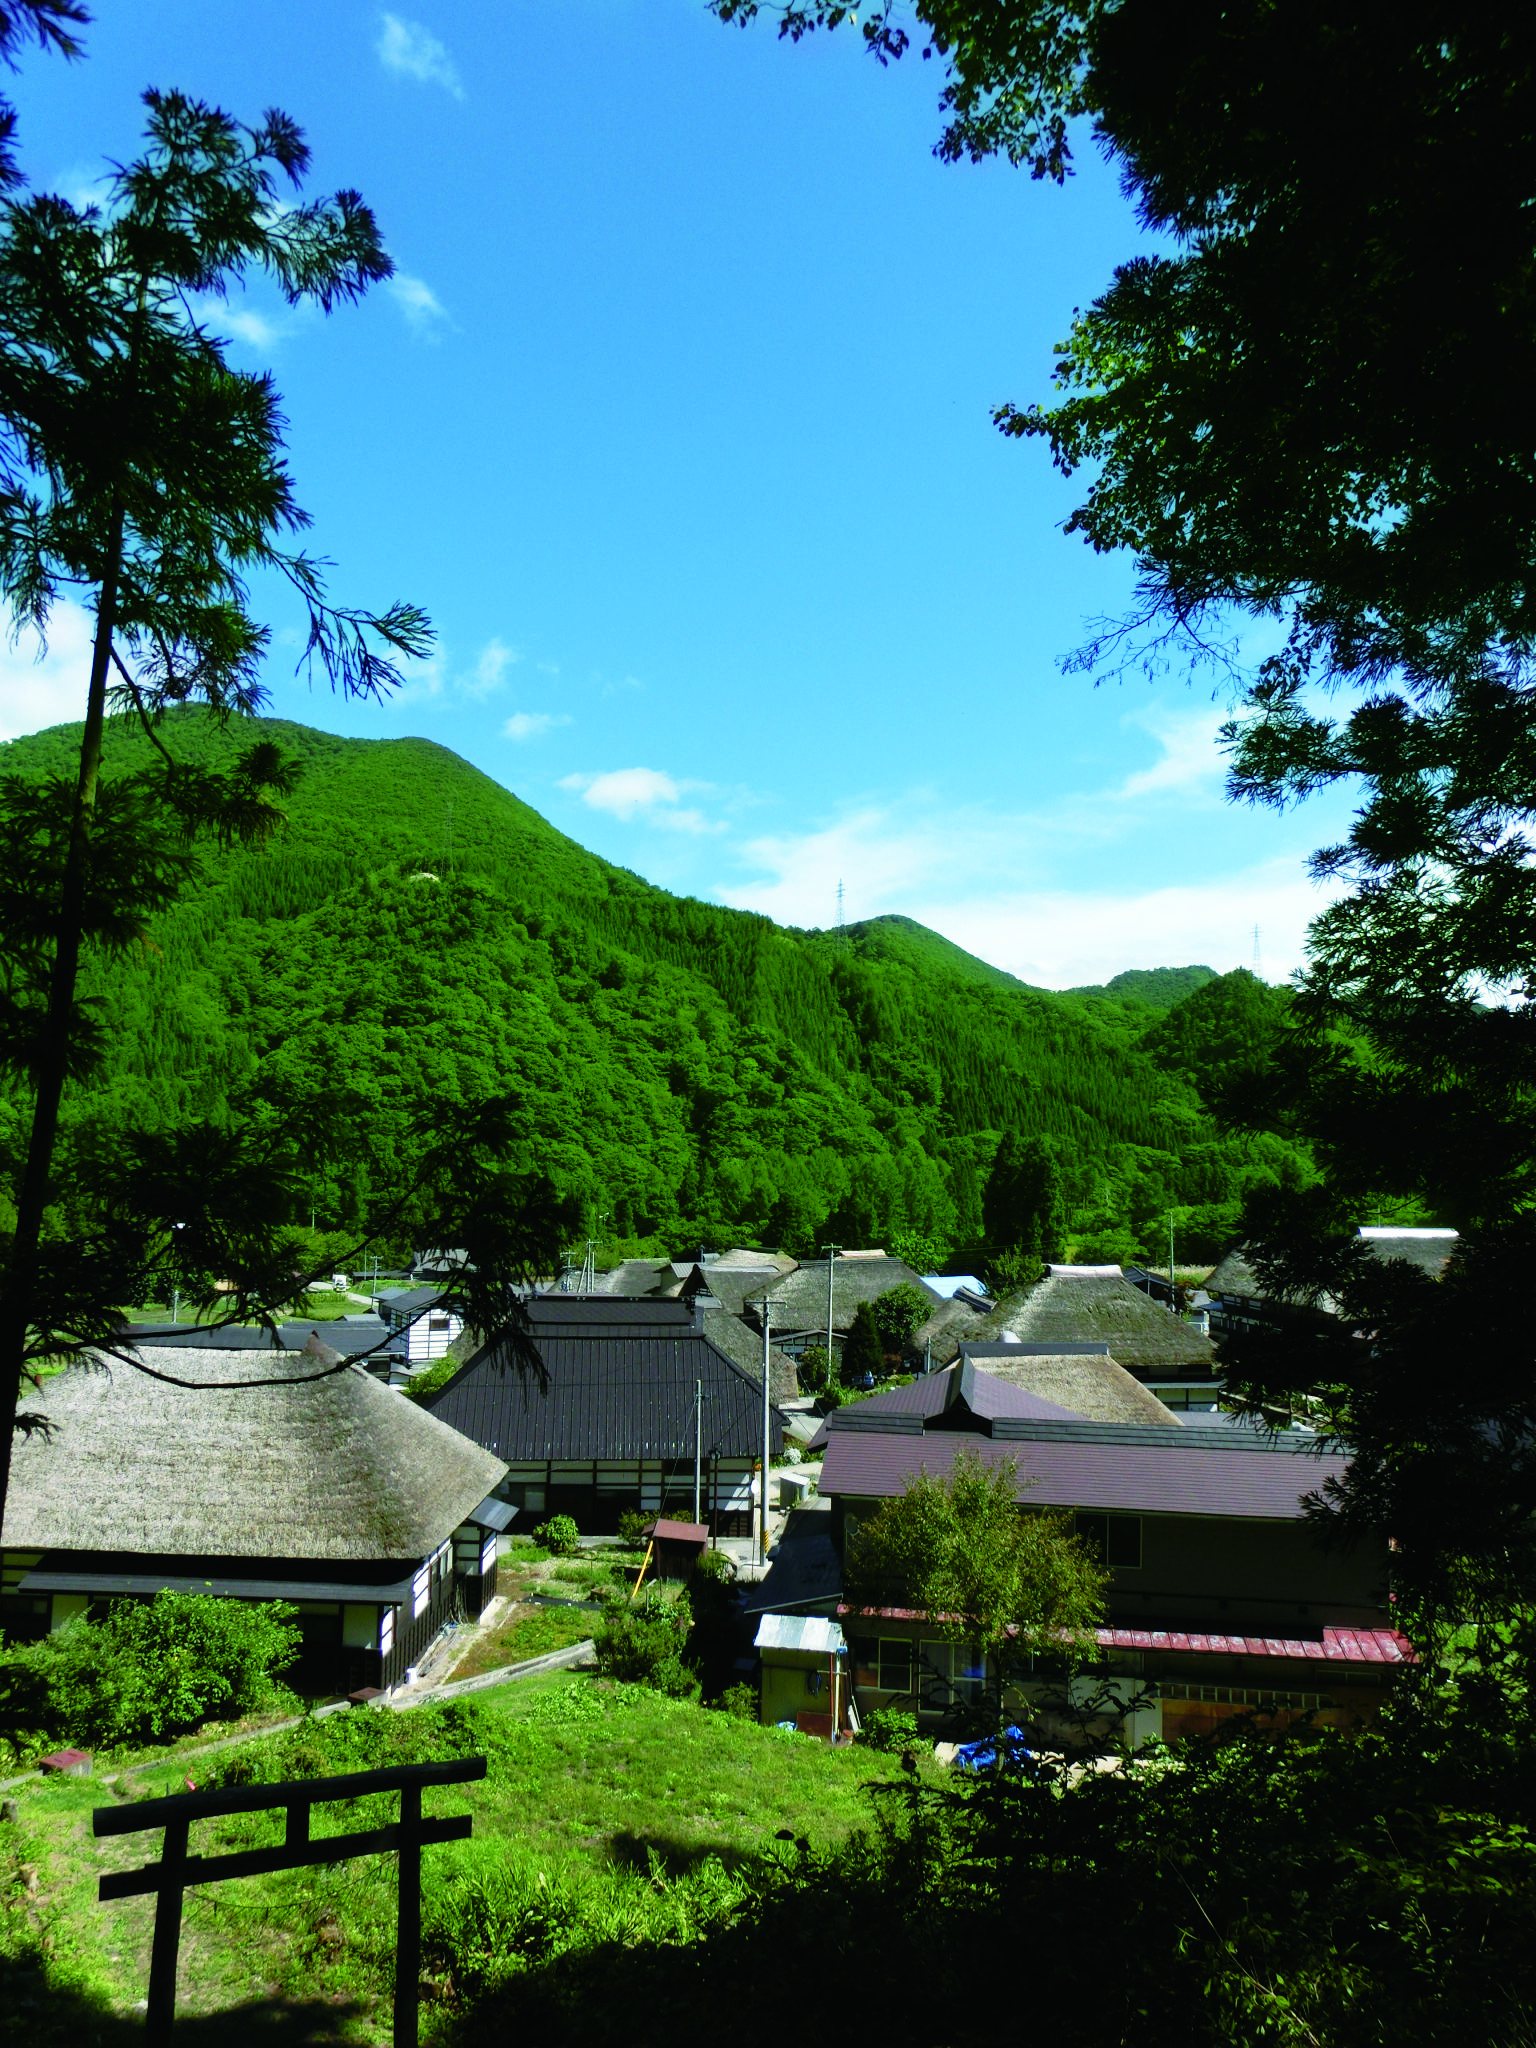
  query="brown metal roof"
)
[{"x": 1098, "y": 1465}]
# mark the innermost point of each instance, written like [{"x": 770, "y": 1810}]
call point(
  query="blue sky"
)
[{"x": 676, "y": 417}]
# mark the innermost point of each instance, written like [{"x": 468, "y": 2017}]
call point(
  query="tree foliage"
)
[
  {"x": 863, "y": 1347},
  {"x": 149, "y": 1670},
  {"x": 683, "y": 1069},
  {"x": 137, "y": 465},
  {"x": 897, "y": 1313},
  {"x": 981, "y": 1569}
]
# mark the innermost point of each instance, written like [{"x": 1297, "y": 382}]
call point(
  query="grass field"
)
[
  {"x": 524, "y": 1632},
  {"x": 609, "y": 1814}
]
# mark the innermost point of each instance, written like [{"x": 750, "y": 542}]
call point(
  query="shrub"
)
[
  {"x": 890, "y": 1728},
  {"x": 632, "y": 1527},
  {"x": 739, "y": 1701},
  {"x": 897, "y": 1313},
  {"x": 863, "y": 1348},
  {"x": 558, "y": 1536},
  {"x": 148, "y": 1671},
  {"x": 814, "y": 1368},
  {"x": 643, "y": 1641}
]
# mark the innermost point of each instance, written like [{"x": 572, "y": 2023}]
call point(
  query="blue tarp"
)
[{"x": 1009, "y": 1749}]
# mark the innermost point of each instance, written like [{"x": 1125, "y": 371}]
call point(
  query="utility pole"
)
[
  {"x": 832, "y": 1251},
  {"x": 1172, "y": 1310},
  {"x": 698, "y": 1445},
  {"x": 763, "y": 1515}
]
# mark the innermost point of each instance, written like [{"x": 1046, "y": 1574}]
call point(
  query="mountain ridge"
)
[{"x": 686, "y": 1067}]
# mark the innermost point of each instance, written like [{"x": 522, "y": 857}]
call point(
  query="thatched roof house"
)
[
  {"x": 1239, "y": 1295},
  {"x": 1088, "y": 1383},
  {"x": 324, "y": 1488},
  {"x": 798, "y": 1302},
  {"x": 1072, "y": 1305}
]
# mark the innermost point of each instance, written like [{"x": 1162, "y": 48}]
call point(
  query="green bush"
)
[
  {"x": 632, "y": 1527},
  {"x": 814, "y": 1368},
  {"x": 558, "y": 1536},
  {"x": 890, "y": 1728},
  {"x": 148, "y": 1671},
  {"x": 643, "y": 1641},
  {"x": 739, "y": 1701}
]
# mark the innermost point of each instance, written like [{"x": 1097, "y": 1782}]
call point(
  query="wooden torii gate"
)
[{"x": 177, "y": 1869}]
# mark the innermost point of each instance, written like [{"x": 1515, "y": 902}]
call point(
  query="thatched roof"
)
[
  {"x": 1428, "y": 1250},
  {"x": 1093, "y": 1305},
  {"x": 744, "y": 1347},
  {"x": 953, "y": 1323},
  {"x": 326, "y": 1468},
  {"x": 799, "y": 1300},
  {"x": 1089, "y": 1384}
]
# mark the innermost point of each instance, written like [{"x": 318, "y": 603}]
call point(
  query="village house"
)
[
  {"x": 420, "y": 1321},
  {"x": 1238, "y": 1299},
  {"x": 1221, "y": 1598},
  {"x": 637, "y": 1407},
  {"x": 374, "y": 1518},
  {"x": 798, "y": 1307},
  {"x": 1069, "y": 1306}
]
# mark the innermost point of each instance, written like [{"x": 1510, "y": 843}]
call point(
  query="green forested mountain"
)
[
  {"x": 416, "y": 935},
  {"x": 1158, "y": 987}
]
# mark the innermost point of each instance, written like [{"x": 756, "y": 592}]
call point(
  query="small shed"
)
[
  {"x": 676, "y": 1547},
  {"x": 805, "y": 1678}
]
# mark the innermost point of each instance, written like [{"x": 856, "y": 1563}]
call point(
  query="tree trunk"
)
[{"x": 53, "y": 1066}]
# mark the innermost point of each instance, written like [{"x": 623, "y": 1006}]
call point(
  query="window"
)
[
  {"x": 387, "y": 1632},
  {"x": 421, "y": 1592},
  {"x": 895, "y": 1665},
  {"x": 865, "y": 1655},
  {"x": 1114, "y": 1539},
  {"x": 951, "y": 1672}
]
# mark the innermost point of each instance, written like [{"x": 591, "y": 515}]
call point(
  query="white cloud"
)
[
  {"x": 423, "y": 309},
  {"x": 494, "y": 660},
  {"x": 1063, "y": 939},
  {"x": 439, "y": 676},
  {"x": 37, "y": 693},
  {"x": 1003, "y": 884},
  {"x": 1190, "y": 763},
  {"x": 249, "y": 327},
  {"x": 411, "y": 51},
  {"x": 626, "y": 792},
  {"x": 532, "y": 725}
]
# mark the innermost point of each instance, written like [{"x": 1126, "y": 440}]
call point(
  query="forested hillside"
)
[{"x": 416, "y": 936}]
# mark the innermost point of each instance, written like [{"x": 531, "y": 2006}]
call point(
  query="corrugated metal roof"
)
[
  {"x": 1333, "y": 1646},
  {"x": 1098, "y": 1465},
  {"x": 1337, "y": 1646},
  {"x": 620, "y": 1385},
  {"x": 800, "y": 1632}
]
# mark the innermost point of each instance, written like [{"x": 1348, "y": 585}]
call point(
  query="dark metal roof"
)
[
  {"x": 1132, "y": 1469},
  {"x": 405, "y": 1301},
  {"x": 957, "y": 1391},
  {"x": 492, "y": 1514},
  {"x": 116, "y": 1574},
  {"x": 144, "y": 1585},
  {"x": 346, "y": 1335},
  {"x": 620, "y": 1384}
]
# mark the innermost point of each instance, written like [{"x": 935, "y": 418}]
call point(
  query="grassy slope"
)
[{"x": 608, "y": 1812}]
